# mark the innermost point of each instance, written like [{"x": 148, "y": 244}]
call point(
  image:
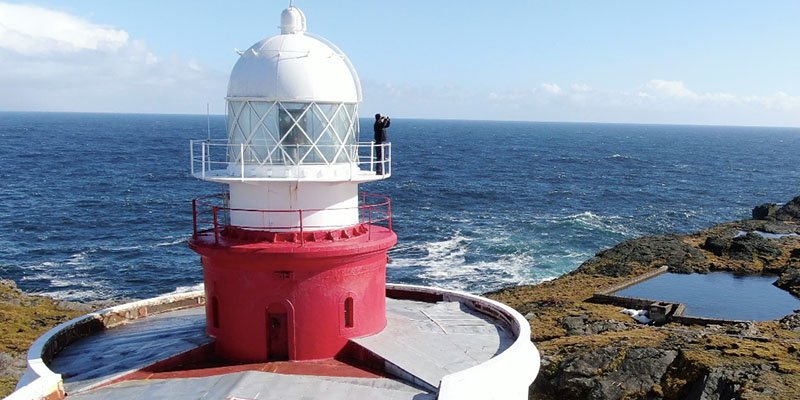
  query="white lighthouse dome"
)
[{"x": 294, "y": 67}]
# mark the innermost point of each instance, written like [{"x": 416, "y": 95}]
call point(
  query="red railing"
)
[{"x": 212, "y": 216}]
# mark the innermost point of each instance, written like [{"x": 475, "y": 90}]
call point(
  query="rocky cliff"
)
[
  {"x": 592, "y": 351},
  {"x": 23, "y": 318}
]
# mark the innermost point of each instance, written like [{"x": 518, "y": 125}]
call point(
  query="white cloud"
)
[
  {"x": 654, "y": 101},
  {"x": 551, "y": 88},
  {"x": 55, "y": 61},
  {"x": 33, "y": 30},
  {"x": 580, "y": 88},
  {"x": 677, "y": 93},
  {"x": 663, "y": 88}
]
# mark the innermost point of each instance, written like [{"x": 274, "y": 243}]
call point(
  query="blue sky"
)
[{"x": 709, "y": 62}]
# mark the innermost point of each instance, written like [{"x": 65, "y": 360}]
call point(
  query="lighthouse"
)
[
  {"x": 293, "y": 255},
  {"x": 295, "y": 302}
]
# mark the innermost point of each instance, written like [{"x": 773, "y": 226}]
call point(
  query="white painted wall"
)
[{"x": 325, "y": 205}]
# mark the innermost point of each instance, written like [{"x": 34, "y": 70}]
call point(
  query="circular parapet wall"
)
[
  {"x": 505, "y": 375},
  {"x": 39, "y": 382}
]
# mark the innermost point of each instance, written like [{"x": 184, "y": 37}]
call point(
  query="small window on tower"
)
[{"x": 348, "y": 312}]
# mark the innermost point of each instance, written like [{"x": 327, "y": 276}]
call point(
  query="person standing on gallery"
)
[{"x": 381, "y": 123}]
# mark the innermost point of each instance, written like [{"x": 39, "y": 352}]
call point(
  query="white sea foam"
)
[
  {"x": 44, "y": 265},
  {"x": 186, "y": 289},
  {"x": 171, "y": 242},
  {"x": 82, "y": 294},
  {"x": 37, "y": 277},
  {"x": 123, "y": 248},
  {"x": 443, "y": 252},
  {"x": 613, "y": 224},
  {"x": 445, "y": 264},
  {"x": 76, "y": 259},
  {"x": 60, "y": 283}
]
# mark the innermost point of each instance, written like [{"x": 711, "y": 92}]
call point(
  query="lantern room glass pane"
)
[
  {"x": 275, "y": 133},
  {"x": 292, "y": 119}
]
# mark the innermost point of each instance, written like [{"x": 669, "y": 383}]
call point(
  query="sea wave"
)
[
  {"x": 172, "y": 242},
  {"x": 596, "y": 222},
  {"x": 464, "y": 263},
  {"x": 188, "y": 288}
]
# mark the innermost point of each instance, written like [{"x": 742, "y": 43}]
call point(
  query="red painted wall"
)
[{"x": 247, "y": 282}]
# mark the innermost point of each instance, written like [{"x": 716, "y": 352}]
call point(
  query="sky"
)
[{"x": 675, "y": 62}]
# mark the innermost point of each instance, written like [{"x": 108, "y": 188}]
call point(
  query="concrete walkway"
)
[
  {"x": 130, "y": 347},
  {"x": 260, "y": 386},
  {"x": 427, "y": 341},
  {"x": 422, "y": 343}
]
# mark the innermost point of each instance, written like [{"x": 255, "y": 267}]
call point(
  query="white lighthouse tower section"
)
[
  {"x": 292, "y": 110},
  {"x": 340, "y": 200}
]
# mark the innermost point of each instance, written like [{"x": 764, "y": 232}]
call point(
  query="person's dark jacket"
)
[{"x": 380, "y": 129}]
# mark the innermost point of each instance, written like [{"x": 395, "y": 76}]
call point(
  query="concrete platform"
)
[
  {"x": 449, "y": 346},
  {"x": 125, "y": 349},
  {"x": 258, "y": 385},
  {"x": 427, "y": 341}
]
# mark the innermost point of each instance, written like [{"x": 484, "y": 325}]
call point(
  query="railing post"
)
[
  {"x": 194, "y": 218},
  {"x": 216, "y": 225},
  {"x": 191, "y": 156},
  {"x": 369, "y": 237},
  {"x": 389, "y": 207},
  {"x": 388, "y": 149},
  {"x": 372, "y": 156},
  {"x": 203, "y": 163},
  {"x": 241, "y": 157},
  {"x": 302, "y": 236}
]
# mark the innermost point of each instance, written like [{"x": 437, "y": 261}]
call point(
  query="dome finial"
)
[{"x": 292, "y": 20}]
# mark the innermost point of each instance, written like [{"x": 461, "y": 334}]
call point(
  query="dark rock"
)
[
  {"x": 551, "y": 302},
  {"x": 720, "y": 384},
  {"x": 790, "y": 211},
  {"x": 580, "y": 325},
  {"x": 11, "y": 366},
  {"x": 9, "y": 284},
  {"x": 647, "y": 251},
  {"x": 795, "y": 253},
  {"x": 686, "y": 269},
  {"x": 575, "y": 325},
  {"x": 753, "y": 245},
  {"x": 588, "y": 364},
  {"x": 765, "y": 211},
  {"x": 612, "y": 373},
  {"x": 790, "y": 281},
  {"x": 791, "y": 322},
  {"x": 742, "y": 329},
  {"x": 606, "y": 326},
  {"x": 643, "y": 368},
  {"x": 10, "y": 293},
  {"x": 717, "y": 245},
  {"x": 73, "y": 306},
  {"x": 577, "y": 375}
]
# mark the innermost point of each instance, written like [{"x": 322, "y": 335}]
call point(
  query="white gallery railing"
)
[{"x": 237, "y": 160}]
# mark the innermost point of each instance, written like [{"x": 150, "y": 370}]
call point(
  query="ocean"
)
[{"x": 98, "y": 206}]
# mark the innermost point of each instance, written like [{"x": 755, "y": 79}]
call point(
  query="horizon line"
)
[{"x": 425, "y": 119}]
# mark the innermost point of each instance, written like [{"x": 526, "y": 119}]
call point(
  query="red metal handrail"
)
[{"x": 374, "y": 209}]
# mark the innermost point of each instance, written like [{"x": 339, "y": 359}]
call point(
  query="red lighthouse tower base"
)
[{"x": 293, "y": 296}]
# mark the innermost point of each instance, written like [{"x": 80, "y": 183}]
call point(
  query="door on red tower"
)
[{"x": 277, "y": 333}]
